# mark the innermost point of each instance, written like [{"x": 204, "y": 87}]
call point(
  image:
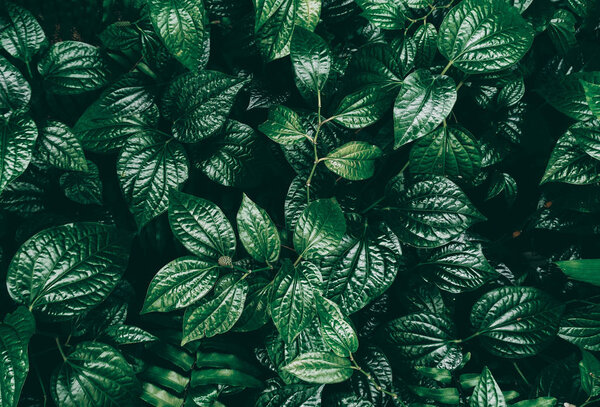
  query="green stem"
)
[
  {"x": 60, "y": 349},
  {"x": 316, "y": 154},
  {"x": 297, "y": 260},
  {"x": 447, "y": 67},
  {"x": 28, "y": 69},
  {"x": 374, "y": 204},
  {"x": 468, "y": 338},
  {"x": 521, "y": 374}
]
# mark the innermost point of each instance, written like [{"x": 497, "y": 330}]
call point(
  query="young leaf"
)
[
  {"x": 94, "y": 374},
  {"x": 60, "y": 148},
  {"x": 479, "y": 36},
  {"x": 20, "y": 33},
  {"x": 216, "y": 315},
  {"x": 83, "y": 187},
  {"x": 17, "y": 139},
  {"x": 72, "y": 67},
  {"x": 199, "y": 103},
  {"x": 311, "y": 60},
  {"x": 423, "y": 102},
  {"x": 319, "y": 229},
  {"x": 257, "y": 232},
  {"x": 337, "y": 330},
  {"x": 283, "y": 126},
  {"x": 502, "y": 182},
  {"x": 354, "y": 160},
  {"x": 67, "y": 270},
  {"x": 516, "y": 322},
  {"x": 180, "y": 283},
  {"x": 149, "y": 166},
  {"x": 587, "y": 270},
  {"x": 201, "y": 226},
  {"x": 183, "y": 27},
  {"x": 487, "y": 393},
  {"x": 386, "y": 14},
  {"x": 292, "y": 302},
  {"x": 319, "y": 367},
  {"x": 15, "y": 91}
]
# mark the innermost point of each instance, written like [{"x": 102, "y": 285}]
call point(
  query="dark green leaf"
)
[
  {"x": 294, "y": 395},
  {"x": 562, "y": 31},
  {"x": 582, "y": 327},
  {"x": 363, "y": 107},
  {"x": 425, "y": 45},
  {"x": 386, "y": 14},
  {"x": 15, "y": 91},
  {"x": 338, "y": 332},
  {"x": 374, "y": 64},
  {"x": 502, "y": 182},
  {"x": 83, "y": 187},
  {"x": 127, "y": 335},
  {"x": 17, "y": 139},
  {"x": 592, "y": 96},
  {"x": 354, "y": 160},
  {"x": 320, "y": 229},
  {"x": 317, "y": 367},
  {"x": 589, "y": 369},
  {"x": 20, "y": 33},
  {"x": 587, "y": 270},
  {"x": 59, "y": 147},
  {"x": 567, "y": 95},
  {"x": 257, "y": 232},
  {"x": 487, "y": 393},
  {"x": 274, "y": 26},
  {"x": 283, "y": 126},
  {"x": 311, "y": 60}
]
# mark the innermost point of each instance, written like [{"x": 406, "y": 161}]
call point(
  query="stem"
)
[
  {"x": 447, "y": 67},
  {"x": 39, "y": 377},
  {"x": 404, "y": 167},
  {"x": 374, "y": 204},
  {"x": 60, "y": 349},
  {"x": 468, "y": 338},
  {"x": 314, "y": 141},
  {"x": 521, "y": 374},
  {"x": 29, "y": 69},
  {"x": 297, "y": 260}
]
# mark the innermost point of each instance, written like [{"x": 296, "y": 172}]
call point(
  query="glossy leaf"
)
[
  {"x": 274, "y": 26},
  {"x": 581, "y": 327},
  {"x": 295, "y": 395},
  {"x": 283, "y": 126},
  {"x": 17, "y": 139},
  {"x": 338, "y": 332},
  {"x": 375, "y": 64},
  {"x": 592, "y": 96},
  {"x": 487, "y": 393},
  {"x": 83, "y": 187},
  {"x": 422, "y": 104},
  {"x": 586, "y": 270},
  {"x": 320, "y": 229},
  {"x": 386, "y": 14},
  {"x": 567, "y": 94},
  {"x": 354, "y": 160},
  {"x": 363, "y": 107},
  {"x": 59, "y": 147},
  {"x": 319, "y": 367},
  {"x": 257, "y": 232},
  {"x": 424, "y": 39},
  {"x": 20, "y": 33},
  {"x": 311, "y": 60},
  {"x": 15, "y": 91}
]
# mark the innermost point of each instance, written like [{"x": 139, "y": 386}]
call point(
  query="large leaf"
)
[
  {"x": 374, "y": 64},
  {"x": 592, "y": 95},
  {"x": 423, "y": 102},
  {"x": 338, "y": 332},
  {"x": 430, "y": 212},
  {"x": 457, "y": 267},
  {"x": 17, "y": 138},
  {"x": 582, "y": 327},
  {"x": 72, "y": 67},
  {"x": 319, "y": 367},
  {"x": 180, "y": 283},
  {"x": 587, "y": 270},
  {"x": 59, "y": 147},
  {"x": 487, "y": 393},
  {"x": 218, "y": 314},
  {"x": 257, "y": 232},
  {"x": 149, "y": 166},
  {"x": 294, "y": 395},
  {"x": 199, "y": 103},
  {"x": 363, "y": 107},
  {"x": 15, "y": 91},
  {"x": 319, "y": 229},
  {"x": 283, "y": 126},
  {"x": 20, "y": 33},
  {"x": 94, "y": 374},
  {"x": 568, "y": 95},
  {"x": 274, "y": 25},
  {"x": 386, "y": 14},
  {"x": 421, "y": 339},
  {"x": 311, "y": 60},
  {"x": 292, "y": 302},
  {"x": 362, "y": 267},
  {"x": 479, "y": 36},
  {"x": 354, "y": 160},
  {"x": 516, "y": 322},
  {"x": 450, "y": 151},
  {"x": 424, "y": 39},
  {"x": 201, "y": 226},
  {"x": 183, "y": 27},
  {"x": 15, "y": 332},
  {"x": 67, "y": 270}
]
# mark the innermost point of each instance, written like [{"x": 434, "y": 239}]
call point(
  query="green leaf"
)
[
  {"x": 199, "y": 103},
  {"x": 182, "y": 25},
  {"x": 256, "y": 309},
  {"x": 17, "y": 139},
  {"x": 589, "y": 369},
  {"x": 421, "y": 339},
  {"x": 423, "y": 103},
  {"x": 201, "y": 226},
  {"x": 457, "y": 267},
  {"x": 425, "y": 45},
  {"x": 487, "y": 393},
  {"x": 293, "y": 395},
  {"x": 320, "y": 367},
  {"x": 450, "y": 151},
  {"x": 511, "y": 93},
  {"x": 292, "y": 302},
  {"x": 581, "y": 327},
  {"x": 502, "y": 182},
  {"x": 20, "y": 33},
  {"x": 561, "y": 29},
  {"x": 127, "y": 335},
  {"x": 283, "y": 126},
  {"x": 83, "y": 187},
  {"x": 311, "y": 60},
  {"x": 363, "y": 107},
  {"x": 218, "y": 314},
  {"x": 15, "y": 333},
  {"x": 430, "y": 212},
  {"x": 308, "y": 13},
  {"x": 149, "y": 166},
  {"x": 446, "y": 395},
  {"x": 72, "y": 67},
  {"x": 94, "y": 374},
  {"x": 180, "y": 283},
  {"x": 539, "y": 402},
  {"x": 516, "y": 322},
  {"x": 354, "y": 160},
  {"x": 338, "y": 332},
  {"x": 375, "y": 64},
  {"x": 319, "y": 229},
  {"x": 15, "y": 91},
  {"x": 59, "y": 147},
  {"x": 586, "y": 270},
  {"x": 362, "y": 267},
  {"x": 592, "y": 96},
  {"x": 374, "y": 363},
  {"x": 67, "y": 270},
  {"x": 257, "y": 232},
  {"x": 479, "y": 36},
  {"x": 567, "y": 94},
  {"x": 274, "y": 26},
  {"x": 386, "y": 14}
]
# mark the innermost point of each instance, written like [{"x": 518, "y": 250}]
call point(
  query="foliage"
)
[{"x": 299, "y": 203}]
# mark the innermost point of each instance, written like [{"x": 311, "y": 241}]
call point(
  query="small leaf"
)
[
  {"x": 337, "y": 330},
  {"x": 59, "y": 147},
  {"x": 180, "y": 283},
  {"x": 318, "y": 367},
  {"x": 20, "y": 33},
  {"x": 425, "y": 45},
  {"x": 354, "y": 160},
  {"x": 201, "y": 226},
  {"x": 311, "y": 60},
  {"x": 83, "y": 187},
  {"x": 589, "y": 369},
  {"x": 363, "y": 107},
  {"x": 567, "y": 94},
  {"x": 423, "y": 103},
  {"x": 283, "y": 126},
  {"x": 257, "y": 232},
  {"x": 17, "y": 139},
  {"x": 374, "y": 65},
  {"x": 487, "y": 393},
  {"x": 319, "y": 229},
  {"x": 127, "y": 335}
]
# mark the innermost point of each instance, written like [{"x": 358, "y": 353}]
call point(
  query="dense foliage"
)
[{"x": 299, "y": 203}]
